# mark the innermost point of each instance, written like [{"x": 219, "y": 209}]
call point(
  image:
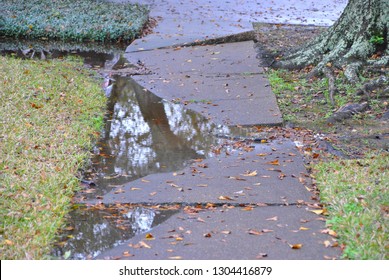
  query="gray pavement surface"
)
[
  {"x": 222, "y": 82},
  {"x": 259, "y": 207}
]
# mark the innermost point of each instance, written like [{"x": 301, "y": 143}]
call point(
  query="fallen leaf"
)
[
  {"x": 119, "y": 191},
  {"x": 153, "y": 193},
  {"x": 207, "y": 235},
  {"x": 236, "y": 178},
  {"x": 274, "y": 162},
  {"x": 267, "y": 230},
  {"x": 9, "y": 242},
  {"x": 248, "y": 208},
  {"x": 327, "y": 243},
  {"x": 250, "y": 174},
  {"x": 261, "y": 256},
  {"x": 275, "y": 218},
  {"x": 296, "y": 246},
  {"x": 144, "y": 244},
  {"x": 179, "y": 238},
  {"x": 255, "y": 232},
  {"x": 135, "y": 189},
  {"x": 261, "y": 154},
  {"x": 303, "y": 228},
  {"x": 226, "y": 232},
  {"x": 149, "y": 236},
  {"x": 175, "y": 258},
  {"x": 223, "y": 197},
  {"x": 127, "y": 254},
  {"x": 330, "y": 232},
  {"x": 145, "y": 181},
  {"x": 320, "y": 211},
  {"x": 202, "y": 185}
]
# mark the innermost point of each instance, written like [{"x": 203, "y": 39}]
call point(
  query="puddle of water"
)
[
  {"x": 92, "y": 231},
  {"x": 145, "y": 134}
]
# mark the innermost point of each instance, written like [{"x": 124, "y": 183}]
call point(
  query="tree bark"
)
[{"x": 359, "y": 33}]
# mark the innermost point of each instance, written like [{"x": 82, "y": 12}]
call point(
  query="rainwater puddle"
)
[
  {"x": 91, "y": 231},
  {"x": 143, "y": 134}
]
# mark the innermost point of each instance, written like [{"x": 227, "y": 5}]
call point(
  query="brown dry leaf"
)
[
  {"x": 127, "y": 254},
  {"x": 135, "y": 189},
  {"x": 144, "y": 245},
  {"x": 261, "y": 154},
  {"x": 236, "y": 178},
  {"x": 275, "y": 218},
  {"x": 255, "y": 232},
  {"x": 320, "y": 211},
  {"x": 179, "y": 238},
  {"x": 304, "y": 228},
  {"x": 9, "y": 242},
  {"x": 119, "y": 191},
  {"x": 267, "y": 230},
  {"x": 261, "y": 256},
  {"x": 330, "y": 232},
  {"x": 327, "y": 243},
  {"x": 90, "y": 191},
  {"x": 226, "y": 232},
  {"x": 250, "y": 173},
  {"x": 224, "y": 197},
  {"x": 248, "y": 208},
  {"x": 149, "y": 236},
  {"x": 175, "y": 258},
  {"x": 274, "y": 162},
  {"x": 296, "y": 246},
  {"x": 145, "y": 181},
  {"x": 207, "y": 235}
]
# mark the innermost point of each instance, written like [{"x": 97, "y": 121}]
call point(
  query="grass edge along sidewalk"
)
[
  {"x": 50, "y": 112},
  {"x": 65, "y": 20}
]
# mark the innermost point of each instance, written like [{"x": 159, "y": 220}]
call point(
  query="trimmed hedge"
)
[{"x": 66, "y": 20}]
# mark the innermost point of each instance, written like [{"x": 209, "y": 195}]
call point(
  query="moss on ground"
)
[
  {"x": 50, "y": 112},
  {"x": 66, "y": 20}
]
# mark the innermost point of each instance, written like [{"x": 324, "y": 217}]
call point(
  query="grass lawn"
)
[
  {"x": 50, "y": 112},
  {"x": 354, "y": 189},
  {"x": 357, "y": 196},
  {"x": 67, "y": 20}
]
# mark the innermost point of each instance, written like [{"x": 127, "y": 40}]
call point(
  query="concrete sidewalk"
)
[{"x": 257, "y": 203}]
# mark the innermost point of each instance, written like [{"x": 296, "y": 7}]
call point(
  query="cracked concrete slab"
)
[
  {"x": 223, "y": 82},
  {"x": 268, "y": 173},
  {"x": 232, "y": 233}
]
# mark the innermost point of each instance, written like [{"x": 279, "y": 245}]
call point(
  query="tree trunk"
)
[{"x": 359, "y": 36}]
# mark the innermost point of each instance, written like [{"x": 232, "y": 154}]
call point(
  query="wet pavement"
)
[{"x": 175, "y": 176}]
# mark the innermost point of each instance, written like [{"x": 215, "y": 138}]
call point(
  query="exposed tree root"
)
[{"x": 358, "y": 39}]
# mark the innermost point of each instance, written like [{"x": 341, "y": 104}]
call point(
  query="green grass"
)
[
  {"x": 66, "y": 20},
  {"x": 49, "y": 114},
  {"x": 357, "y": 194}
]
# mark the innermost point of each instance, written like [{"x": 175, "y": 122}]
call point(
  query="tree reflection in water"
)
[
  {"x": 145, "y": 134},
  {"x": 95, "y": 231}
]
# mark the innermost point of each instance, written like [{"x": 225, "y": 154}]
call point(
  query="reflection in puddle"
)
[
  {"x": 145, "y": 134},
  {"x": 93, "y": 231}
]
